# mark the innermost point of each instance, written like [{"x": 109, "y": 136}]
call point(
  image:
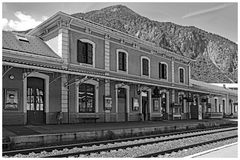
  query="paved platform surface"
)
[
  {"x": 229, "y": 151},
  {"x": 83, "y": 127}
]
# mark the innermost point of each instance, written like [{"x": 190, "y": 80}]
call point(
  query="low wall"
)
[{"x": 46, "y": 139}]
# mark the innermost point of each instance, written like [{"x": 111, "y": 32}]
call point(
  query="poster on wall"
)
[
  {"x": 108, "y": 103},
  {"x": 135, "y": 104},
  {"x": 155, "y": 104},
  {"x": 11, "y": 99},
  {"x": 200, "y": 112}
]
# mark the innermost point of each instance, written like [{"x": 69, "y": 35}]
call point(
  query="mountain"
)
[{"x": 215, "y": 57}]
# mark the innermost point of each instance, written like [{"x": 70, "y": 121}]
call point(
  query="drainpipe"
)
[{"x": 68, "y": 98}]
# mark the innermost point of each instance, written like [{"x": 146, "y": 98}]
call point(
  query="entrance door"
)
[
  {"x": 35, "y": 101},
  {"x": 194, "y": 108},
  {"x": 145, "y": 105},
  {"x": 122, "y": 104}
]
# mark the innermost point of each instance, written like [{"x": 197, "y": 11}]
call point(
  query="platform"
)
[
  {"x": 227, "y": 151},
  {"x": 35, "y": 135}
]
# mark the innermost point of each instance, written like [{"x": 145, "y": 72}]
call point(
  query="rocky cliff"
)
[{"x": 216, "y": 57}]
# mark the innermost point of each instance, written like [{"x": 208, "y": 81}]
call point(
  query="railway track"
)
[
  {"x": 156, "y": 154},
  {"x": 99, "y": 147}
]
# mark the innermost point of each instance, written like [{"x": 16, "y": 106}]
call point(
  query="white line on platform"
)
[{"x": 211, "y": 150}]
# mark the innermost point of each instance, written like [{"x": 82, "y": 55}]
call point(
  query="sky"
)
[{"x": 219, "y": 18}]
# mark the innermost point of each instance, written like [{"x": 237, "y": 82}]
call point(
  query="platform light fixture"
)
[{"x": 11, "y": 77}]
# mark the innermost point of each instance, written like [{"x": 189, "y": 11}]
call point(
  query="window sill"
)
[
  {"x": 122, "y": 72},
  {"x": 86, "y": 65},
  {"x": 164, "y": 80},
  {"x": 144, "y": 76}
]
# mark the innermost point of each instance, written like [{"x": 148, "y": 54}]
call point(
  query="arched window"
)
[
  {"x": 163, "y": 70},
  {"x": 122, "y": 60},
  {"x": 85, "y": 51},
  {"x": 145, "y": 66},
  {"x": 181, "y": 75}
]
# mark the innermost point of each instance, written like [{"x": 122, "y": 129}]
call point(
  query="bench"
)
[
  {"x": 178, "y": 116},
  {"x": 84, "y": 118},
  {"x": 6, "y": 143},
  {"x": 213, "y": 115}
]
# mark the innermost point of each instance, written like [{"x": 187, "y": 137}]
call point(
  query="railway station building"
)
[{"x": 71, "y": 70}]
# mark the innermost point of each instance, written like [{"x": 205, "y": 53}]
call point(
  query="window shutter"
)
[
  {"x": 124, "y": 62},
  {"x": 165, "y": 71},
  {"x": 80, "y": 51},
  {"x": 160, "y": 70},
  {"x": 89, "y": 53},
  {"x": 181, "y": 75},
  {"x": 120, "y": 60},
  {"x": 145, "y": 67}
]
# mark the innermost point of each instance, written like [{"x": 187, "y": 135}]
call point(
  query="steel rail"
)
[
  {"x": 127, "y": 146},
  {"x": 155, "y": 154}
]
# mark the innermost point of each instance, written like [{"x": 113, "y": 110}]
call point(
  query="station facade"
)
[{"x": 73, "y": 70}]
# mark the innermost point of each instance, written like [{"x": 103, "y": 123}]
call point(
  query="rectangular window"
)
[
  {"x": 86, "y": 98},
  {"x": 145, "y": 67},
  {"x": 162, "y": 71},
  {"x": 223, "y": 101},
  {"x": 181, "y": 72},
  {"x": 235, "y": 108},
  {"x": 122, "y": 61},
  {"x": 84, "y": 52},
  {"x": 215, "y": 104}
]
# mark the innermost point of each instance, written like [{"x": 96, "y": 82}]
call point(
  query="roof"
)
[
  {"x": 212, "y": 87},
  {"x": 227, "y": 85},
  {"x": 26, "y": 43}
]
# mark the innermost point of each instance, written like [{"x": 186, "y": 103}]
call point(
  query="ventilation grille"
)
[{"x": 22, "y": 38}]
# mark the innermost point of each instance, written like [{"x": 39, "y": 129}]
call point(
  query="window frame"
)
[
  {"x": 149, "y": 69},
  {"x": 179, "y": 75},
  {"x": 85, "y": 85},
  {"x": 92, "y": 82},
  {"x": 117, "y": 55},
  {"x": 216, "y": 105},
  {"x": 93, "y": 52},
  {"x": 224, "y": 105},
  {"x": 166, "y": 71}
]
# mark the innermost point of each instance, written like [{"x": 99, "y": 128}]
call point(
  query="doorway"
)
[
  {"x": 35, "y": 101},
  {"x": 145, "y": 106},
  {"x": 122, "y": 105}
]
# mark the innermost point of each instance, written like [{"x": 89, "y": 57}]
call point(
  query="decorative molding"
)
[
  {"x": 173, "y": 74},
  {"x": 64, "y": 93},
  {"x": 88, "y": 30},
  {"x": 107, "y": 36},
  {"x": 107, "y": 55}
]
